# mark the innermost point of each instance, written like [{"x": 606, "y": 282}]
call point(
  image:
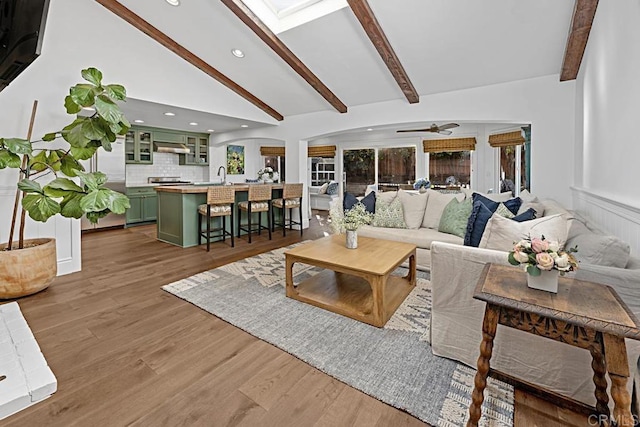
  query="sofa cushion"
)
[
  {"x": 527, "y": 215},
  {"x": 422, "y": 237},
  {"x": 504, "y": 211},
  {"x": 386, "y": 196},
  {"x": 455, "y": 217},
  {"x": 599, "y": 249},
  {"x": 389, "y": 214},
  {"x": 332, "y": 188},
  {"x": 369, "y": 202},
  {"x": 348, "y": 201},
  {"x": 501, "y": 233},
  {"x": 513, "y": 204},
  {"x": 435, "y": 206},
  {"x": 323, "y": 188},
  {"x": 413, "y": 206},
  {"x": 482, "y": 211}
]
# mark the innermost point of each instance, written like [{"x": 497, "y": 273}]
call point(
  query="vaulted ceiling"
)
[{"x": 442, "y": 45}]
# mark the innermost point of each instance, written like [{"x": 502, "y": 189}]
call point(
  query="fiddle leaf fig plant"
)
[{"x": 59, "y": 193}]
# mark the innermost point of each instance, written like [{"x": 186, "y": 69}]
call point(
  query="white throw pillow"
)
[
  {"x": 501, "y": 233},
  {"x": 323, "y": 188},
  {"x": 413, "y": 206},
  {"x": 435, "y": 206},
  {"x": 527, "y": 197}
]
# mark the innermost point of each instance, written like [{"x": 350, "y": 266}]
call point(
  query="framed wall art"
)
[{"x": 235, "y": 159}]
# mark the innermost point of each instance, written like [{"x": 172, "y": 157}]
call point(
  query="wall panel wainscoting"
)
[{"x": 612, "y": 216}]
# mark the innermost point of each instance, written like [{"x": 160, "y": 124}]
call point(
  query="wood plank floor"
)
[{"x": 127, "y": 353}]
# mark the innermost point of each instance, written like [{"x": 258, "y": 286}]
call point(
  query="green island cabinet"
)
[
  {"x": 144, "y": 205},
  {"x": 139, "y": 145}
]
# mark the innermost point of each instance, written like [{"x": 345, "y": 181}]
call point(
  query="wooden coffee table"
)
[{"x": 356, "y": 283}]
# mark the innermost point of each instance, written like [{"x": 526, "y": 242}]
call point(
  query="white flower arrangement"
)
[
  {"x": 268, "y": 173},
  {"x": 539, "y": 254},
  {"x": 352, "y": 219}
]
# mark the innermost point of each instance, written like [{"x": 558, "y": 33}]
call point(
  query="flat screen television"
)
[{"x": 21, "y": 33}]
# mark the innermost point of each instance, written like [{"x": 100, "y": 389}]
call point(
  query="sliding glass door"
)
[{"x": 359, "y": 170}]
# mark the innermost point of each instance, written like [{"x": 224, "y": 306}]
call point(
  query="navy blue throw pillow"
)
[
  {"x": 512, "y": 204},
  {"x": 527, "y": 215},
  {"x": 348, "y": 201},
  {"x": 477, "y": 223},
  {"x": 369, "y": 202}
]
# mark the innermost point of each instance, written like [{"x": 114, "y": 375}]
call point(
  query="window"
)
[
  {"x": 277, "y": 164},
  {"x": 396, "y": 165},
  {"x": 450, "y": 169},
  {"x": 514, "y": 160},
  {"x": 322, "y": 170},
  {"x": 390, "y": 168}
]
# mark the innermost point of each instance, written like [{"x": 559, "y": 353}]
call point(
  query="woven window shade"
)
[
  {"x": 321, "y": 151},
  {"x": 506, "y": 139},
  {"x": 448, "y": 145},
  {"x": 272, "y": 151}
]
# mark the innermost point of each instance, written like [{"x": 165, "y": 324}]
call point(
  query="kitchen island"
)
[{"x": 178, "y": 211}]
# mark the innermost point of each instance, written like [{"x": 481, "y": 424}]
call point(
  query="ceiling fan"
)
[{"x": 443, "y": 129}]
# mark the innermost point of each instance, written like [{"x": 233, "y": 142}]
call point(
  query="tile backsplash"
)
[{"x": 165, "y": 164}]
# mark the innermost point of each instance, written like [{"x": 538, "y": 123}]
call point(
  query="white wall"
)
[
  {"x": 609, "y": 91},
  {"x": 607, "y": 147}
]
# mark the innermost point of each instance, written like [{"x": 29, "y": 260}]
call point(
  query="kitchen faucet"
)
[{"x": 224, "y": 179}]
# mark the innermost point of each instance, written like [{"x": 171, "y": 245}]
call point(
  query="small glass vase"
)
[
  {"x": 546, "y": 281},
  {"x": 352, "y": 239}
]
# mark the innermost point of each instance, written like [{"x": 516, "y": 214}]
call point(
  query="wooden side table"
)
[{"x": 583, "y": 314}]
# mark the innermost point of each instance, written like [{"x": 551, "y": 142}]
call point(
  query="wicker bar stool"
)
[
  {"x": 259, "y": 200},
  {"x": 219, "y": 204},
  {"x": 291, "y": 199}
]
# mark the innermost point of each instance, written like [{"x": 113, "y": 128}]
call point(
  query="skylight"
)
[
  {"x": 282, "y": 15},
  {"x": 287, "y": 7}
]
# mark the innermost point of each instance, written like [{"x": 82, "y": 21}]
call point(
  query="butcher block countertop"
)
[{"x": 196, "y": 189}]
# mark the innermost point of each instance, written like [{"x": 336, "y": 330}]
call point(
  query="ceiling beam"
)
[
  {"x": 142, "y": 25},
  {"x": 372, "y": 27},
  {"x": 266, "y": 35},
  {"x": 583, "y": 14}
]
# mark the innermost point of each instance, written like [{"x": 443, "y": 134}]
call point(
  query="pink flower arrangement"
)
[{"x": 539, "y": 254}]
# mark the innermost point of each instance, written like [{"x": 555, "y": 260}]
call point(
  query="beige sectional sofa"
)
[{"x": 456, "y": 318}]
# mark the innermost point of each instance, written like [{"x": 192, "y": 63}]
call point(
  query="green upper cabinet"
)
[
  {"x": 138, "y": 146},
  {"x": 198, "y": 145}
]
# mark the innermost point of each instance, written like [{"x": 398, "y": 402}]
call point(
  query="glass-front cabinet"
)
[
  {"x": 198, "y": 145},
  {"x": 138, "y": 146}
]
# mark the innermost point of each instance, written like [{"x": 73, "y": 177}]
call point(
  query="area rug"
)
[{"x": 394, "y": 364}]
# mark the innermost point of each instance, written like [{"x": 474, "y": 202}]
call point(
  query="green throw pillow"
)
[
  {"x": 504, "y": 211},
  {"x": 389, "y": 214},
  {"x": 455, "y": 217}
]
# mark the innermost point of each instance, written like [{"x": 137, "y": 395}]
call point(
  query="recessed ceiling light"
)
[
  {"x": 138, "y": 121},
  {"x": 174, "y": 2},
  {"x": 193, "y": 124},
  {"x": 169, "y": 113},
  {"x": 237, "y": 53},
  {"x": 369, "y": 129},
  {"x": 244, "y": 126},
  {"x": 210, "y": 130}
]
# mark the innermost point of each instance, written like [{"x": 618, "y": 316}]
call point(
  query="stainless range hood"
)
[{"x": 168, "y": 147}]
